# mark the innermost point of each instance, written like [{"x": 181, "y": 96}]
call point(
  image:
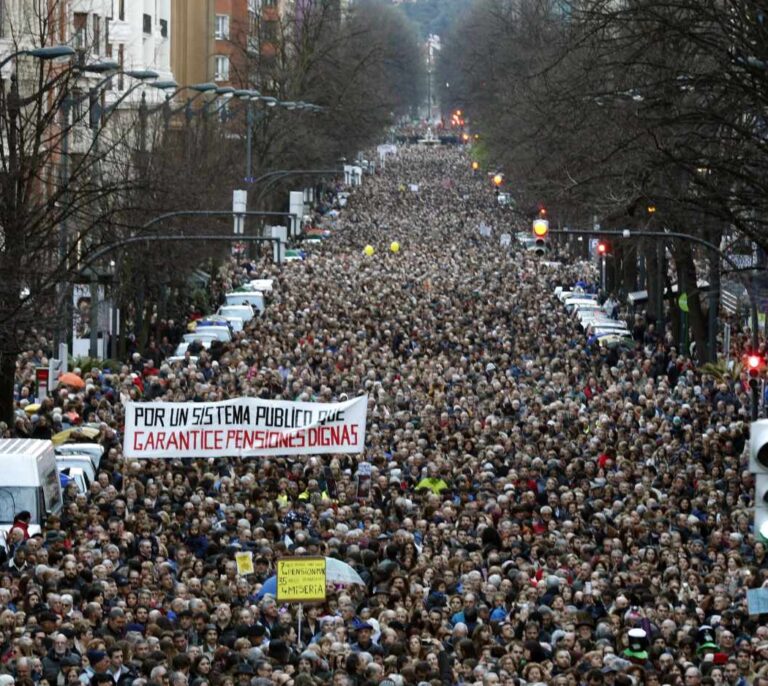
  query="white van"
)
[
  {"x": 253, "y": 298},
  {"x": 229, "y": 312},
  {"x": 94, "y": 450},
  {"x": 219, "y": 333},
  {"x": 29, "y": 481}
]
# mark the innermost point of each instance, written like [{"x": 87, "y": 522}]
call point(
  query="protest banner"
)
[
  {"x": 364, "y": 474},
  {"x": 244, "y": 427},
  {"x": 244, "y": 560},
  {"x": 300, "y": 579}
]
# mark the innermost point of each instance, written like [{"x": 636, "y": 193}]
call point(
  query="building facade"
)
[
  {"x": 193, "y": 45},
  {"x": 232, "y": 29}
]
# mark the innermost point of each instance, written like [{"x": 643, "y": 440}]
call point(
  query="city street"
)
[
  {"x": 383, "y": 343},
  {"x": 539, "y": 507}
]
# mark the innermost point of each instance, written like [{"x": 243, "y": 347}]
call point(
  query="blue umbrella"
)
[{"x": 269, "y": 587}]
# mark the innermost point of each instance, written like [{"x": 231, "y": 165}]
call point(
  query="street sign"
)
[
  {"x": 239, "y": 204},
  {"x": 300, "y": 579}
]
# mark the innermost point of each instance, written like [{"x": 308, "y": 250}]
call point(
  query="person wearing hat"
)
[
  {"x": 705, "y": 641},
  {"x": 364, "y": 641},
  {"x": 245, "y": 673},
  {"x": 637, "y": 651},
  {"x": 98, "y": 663}
]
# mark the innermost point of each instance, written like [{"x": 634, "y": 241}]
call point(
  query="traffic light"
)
[
  {"x": 758, "y": 465},
  {"x": 602, "y": 248},
  {"x": 498, "y": 179},
  {"x": 755, "y": 365},
  {"x": 540, "y": 232}
]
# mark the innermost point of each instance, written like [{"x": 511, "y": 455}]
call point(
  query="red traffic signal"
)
[
  {"x": 755, "y": 364},
  {"x": 602, "y": 248}
]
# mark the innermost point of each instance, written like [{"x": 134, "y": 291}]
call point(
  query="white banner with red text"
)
[{"x": 244, "y": 427}]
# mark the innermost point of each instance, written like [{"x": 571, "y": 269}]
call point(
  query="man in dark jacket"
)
[{"x": 57, "y": 657}]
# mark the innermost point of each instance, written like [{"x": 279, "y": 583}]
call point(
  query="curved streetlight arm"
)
[
  {"x": 109, "y": 110},
  {"x": 96, "y": 111},
  {"x": 105, "y": 250},
  {"x": 44, "y": 53},
  {"x": 165, "y": 106}
]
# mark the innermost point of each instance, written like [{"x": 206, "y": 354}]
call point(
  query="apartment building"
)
[
  {"x": 231, "y": 35},
  {"x": 193, "y": 44}
]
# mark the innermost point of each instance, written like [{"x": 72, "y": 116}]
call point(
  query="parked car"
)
[
  {"x": 253, "y": 298},
  {"x": 79, "y": 461},
  {"x": 219, "y": 331},
  {"x": 180, "y": 353},
  {"x": 79, "y": 476}
]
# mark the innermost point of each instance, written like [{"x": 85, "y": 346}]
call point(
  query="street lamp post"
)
[
  {"x": 51, "y": 52},
  {"x": 749, "y": 284}
]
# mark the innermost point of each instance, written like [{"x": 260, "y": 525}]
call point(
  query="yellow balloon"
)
[
  {"x": 368, "y": 250},
  {"x": 394, "y": 246}
]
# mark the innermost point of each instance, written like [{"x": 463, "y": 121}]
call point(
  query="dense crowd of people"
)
[{"x": 541, "y": 510}]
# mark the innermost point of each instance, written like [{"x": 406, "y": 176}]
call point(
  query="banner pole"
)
[{"x": 300, "y": 615}]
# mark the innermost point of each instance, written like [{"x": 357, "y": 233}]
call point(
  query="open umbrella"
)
[
  {"x": 31, "y": 409},
  {"x": 70, "y": 379},
  {"x": 336, "y": 572}
]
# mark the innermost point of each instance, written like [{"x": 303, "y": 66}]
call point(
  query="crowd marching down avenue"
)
[{"x": 534, "y": 508}]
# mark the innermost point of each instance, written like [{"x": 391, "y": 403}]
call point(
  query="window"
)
[
  {"x": 222, "y": 27},
  {"x": 107, "y": 44},
  {"x": 80, "y": 25},
  {"x": 164, "y": 28},
  {"x": 269, "y": 31},
  {"x": 2, "y": 18},
  {"x": 96, "y": 34},
  {"x": 77, "y": 98},
  {"x": 221, "y": 68},
  {"x": 147, "y": 24}
]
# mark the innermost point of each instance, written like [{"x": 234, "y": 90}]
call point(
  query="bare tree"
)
[{"x": 54, "y": 203}]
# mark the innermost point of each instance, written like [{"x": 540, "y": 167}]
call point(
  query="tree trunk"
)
[
  {"x": 7, "y": 378},
  {"x": 653, "y": 285},
  {"x": 697, "y": 321}
]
